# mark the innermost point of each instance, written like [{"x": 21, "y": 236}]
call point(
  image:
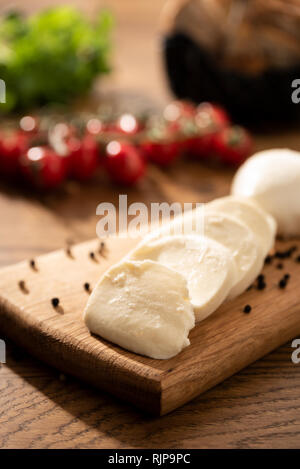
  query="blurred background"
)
[
  {"x": 161, "y": 100},
  {"x": 136, "y": 49}
]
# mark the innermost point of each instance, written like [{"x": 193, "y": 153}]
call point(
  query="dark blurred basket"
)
[{"x": 243, "y": 54}]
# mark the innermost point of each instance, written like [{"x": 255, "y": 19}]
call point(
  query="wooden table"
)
[{"x": 39, "y": 408}]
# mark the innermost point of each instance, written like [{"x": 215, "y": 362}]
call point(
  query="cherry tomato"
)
[
  {"x": 42, "y": 167},
  {"x": 195, "y": 141},
  {"x": 178, "y": 109},
  {"x": 12, "y": 147},
  {"x": 124, "y": 162},
  {"x": 128, "y": 124},
  {"x": 211, "y": 115},
  {"x": 199, "y": 130},
  {"x": 63, "y": 130},
  {"x": 62, "y": 139},
  {"x": 83, "y": 157},
  {"x": 163, "y": 153},
  {"x": 200, "y": 146},
  {"x": 162, "y": 143},
  {"x": 233, "y": 145},
  {"x": 95, "y": 126},
  {"x": 29, "y": 125}
]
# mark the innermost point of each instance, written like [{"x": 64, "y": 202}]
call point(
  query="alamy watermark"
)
[
  {"x": 2, "y": 91},
  {"x": 296, "y": 353},
  {"x": 2, "y": 351},
  {"x": 138, "y": 219},
  {"x": 296, "y": 92}
]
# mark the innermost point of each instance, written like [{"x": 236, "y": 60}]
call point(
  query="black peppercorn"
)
[
  {"x": 55, "y": 302},
  {"x": 32, "y": 264},
  {"x": 282, "y": 283},
  {"x": 23, "y": 287},
  {"x": 261, "y": 284},
  {"x": 268, "y": 259},
  {"x": 247, "y": 309},
  {"x": 69, "y": 252}
]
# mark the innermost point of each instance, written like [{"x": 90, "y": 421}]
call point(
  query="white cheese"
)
[
  {"x": 143, "y": 307},
  {"x": 237, "y": 237},
  {"x": 207, "y": 266},
  {"x": 249, "y": 212},
  {"x": 231, "y": 233},
  {"x": 272, "y": 179}
]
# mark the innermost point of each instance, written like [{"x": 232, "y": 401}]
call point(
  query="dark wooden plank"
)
[{"x": 220, "y": 346}]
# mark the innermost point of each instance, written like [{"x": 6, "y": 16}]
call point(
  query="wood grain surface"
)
[
  {"x": 220, "y": 346},
  {"x": 39, "y": 407}
]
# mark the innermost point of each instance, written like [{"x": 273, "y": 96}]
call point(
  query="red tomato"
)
[
  {"x": 62, "y": 139},
  {"x": 195, "y": 141},
  {"x": 233, "y": 145},
  {"x": 200, "y": 146},
  {"x": 12, "y": 147},
  {"x": 162, "y": 143},
  {"x": 128, "y": 124},
  {"x": 211, "y": 115},
  {"x": 83, "y": 157},
  {"x": 161, "y": 153},
  {"x": 95, "y": 126},
  {"x": 29, "y": 125},
  {"x": 42, "y": 167},
  {"x": 178, "y": 109},
  {"x": 124, "y": 162},
  {"x": 199, "y": 130}
]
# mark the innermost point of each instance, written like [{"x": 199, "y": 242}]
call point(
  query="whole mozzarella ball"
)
[{"x": 272, "y": 178}]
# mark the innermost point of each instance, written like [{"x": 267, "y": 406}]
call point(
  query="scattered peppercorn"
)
[
  {"x": 33, "y": 264},
  {"x": 298, "y": 259},
  {"x": 280, "y": 254},
  {"x": 87, "y": 287},
  {"x": 279, "y": 266},
  {"x": 22, "y": 286},
  {"x": 261, "y": 284},
  {"x": 101, "y": 247},
  {"x": 247, "y": 309},
  {"x": 69, "y": 252},
  {"x": 268, "y": 259},
  {"x": 285, "y": 254},
  {"x": 55, "y": 302},
  {"x": 287, "y": 276},
  {"x": 282, "y": 283},
  {"x": 92, "y": 255}
]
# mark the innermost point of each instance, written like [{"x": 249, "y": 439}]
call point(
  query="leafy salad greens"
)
[{"x": 52, "y": 56}]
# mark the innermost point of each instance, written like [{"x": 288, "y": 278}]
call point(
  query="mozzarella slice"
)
[
  {"x": 228, "y": 231},
  {"x": 143, "y": 307},
  {"x": 237, "y": 237},
  {"x": 206, "y": 265},
  {"x": 255, "y": 218}
]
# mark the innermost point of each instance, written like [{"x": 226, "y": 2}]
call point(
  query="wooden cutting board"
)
[{"x": 223, "y": 344}]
